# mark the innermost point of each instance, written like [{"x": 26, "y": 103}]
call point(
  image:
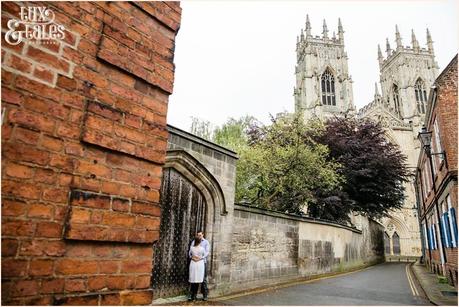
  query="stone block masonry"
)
[
  {"x": 84, "y": 139},
  {"x": 270, "y": 247}
]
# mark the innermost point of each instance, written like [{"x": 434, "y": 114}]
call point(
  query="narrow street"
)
[{"x": 384, "y": 284}]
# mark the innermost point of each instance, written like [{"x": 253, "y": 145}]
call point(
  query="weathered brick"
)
[
  {"x": 48, "y": 230},
  {"x": 142, "y": 282},
  {"x": 76, "y": 267},
  {"x": 119, "y": 204},
  {"x": 96, "y": 282},
  {"x": 110, "y": 300},
  {"x": 75, "y": 285},
  {"x": 48, "y": 59},
  {"x": 11, "y": 95},
  {"x": 52, "y": 286},
  {"x": 25, "y": 288},
  {"x": 14, "y": 268},
  {"x": 42, "y": 248},
  {"x": 109, "y": 267},
  {"x": 116, "y": 282},
  {"x": 37, "y": 210},
  {"x": 41, "y": 267},
  {"x": 136, "y": 266},
  {"x": 44, "y": 74},
  {"x": 136, "y": 298},
  {"x": 55, "y": 194},
  {"x": 26, "y": 136},
  {"x": 31, "y": 120},
  {"x": 118, "y": 219},
  {"x": 51, "y": 143},
  {"x": 13, "y": 208},
  {"x": 21, "y": 64},
  {"x": 9, "y": 247},
  {"x": 45, "y": 176}
]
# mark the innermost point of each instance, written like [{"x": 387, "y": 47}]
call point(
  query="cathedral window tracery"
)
[
  {"x": 328, "y": 88},
  {"x": 421, "y": 96},
  {"x": 396, "y": 98}
]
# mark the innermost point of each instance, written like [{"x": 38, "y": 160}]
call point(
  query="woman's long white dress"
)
[{"x": 197, "y": 267}]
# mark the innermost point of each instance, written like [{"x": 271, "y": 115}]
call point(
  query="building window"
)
[
  {"x": 396, "y": 243},
  {"x": 426, "y": 236},
  {"x": 328, "y": 88},
  {"x": 396, "y": 99},
  {"x": 451, "y": 220},
  {"x": 386, "y": 243},
  {"x": 437, "y": 142},
  {"x": 421, "y": 96}
]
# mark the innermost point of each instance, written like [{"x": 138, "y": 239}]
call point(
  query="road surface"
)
[{"x": 383, "y": 284}]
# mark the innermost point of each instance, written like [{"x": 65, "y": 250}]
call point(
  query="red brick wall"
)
[
  {"x": 445, "y": 113},
  {"x": 83, "y": 141}
]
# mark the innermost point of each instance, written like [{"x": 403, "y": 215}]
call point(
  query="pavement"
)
[
  {"x": 433, "y": 288},
  {"x": 384, "y": 284}
]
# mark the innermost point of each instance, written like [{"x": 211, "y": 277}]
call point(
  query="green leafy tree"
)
[{"x": 283, "y": 166}]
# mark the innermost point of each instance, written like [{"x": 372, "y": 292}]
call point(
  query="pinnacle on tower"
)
[
  {"x": 334, "y": 35},
  {"x": 398, "y": 38},
  {"x": 376, "y": 91},
  {"x": 429, "y": 42},
  {"x": 325, "y": 31},
  {"x": 302, "y": 35},
  {"x": 388, "y": 50},
  {"x": 380, "y": 56},
  {"x": 340, "y": 31},
  {"x": 308, "y": 27},
  {"x": 414, "y": 41}
]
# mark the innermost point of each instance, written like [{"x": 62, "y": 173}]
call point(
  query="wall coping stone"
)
[
  {"x": 294, "y": 217},
  {"x": 201, "y": 141}
]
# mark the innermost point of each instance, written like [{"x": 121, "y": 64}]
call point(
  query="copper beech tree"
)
[{"x": 373, "y": 168}]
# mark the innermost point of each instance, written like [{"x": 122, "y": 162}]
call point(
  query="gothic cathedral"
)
[{"x": 324, "y": 89}]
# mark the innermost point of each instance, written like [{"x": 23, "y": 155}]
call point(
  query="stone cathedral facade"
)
[{"x": 324, "y": 89}]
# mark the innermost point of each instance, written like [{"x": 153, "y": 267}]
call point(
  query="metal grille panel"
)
[{"x": 183, "y": 212}]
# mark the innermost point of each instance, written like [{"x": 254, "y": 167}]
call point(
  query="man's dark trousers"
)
[{"x": 204, "y": 289}]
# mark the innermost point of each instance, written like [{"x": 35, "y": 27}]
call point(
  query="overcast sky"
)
[{"x": 236, "y": 58}]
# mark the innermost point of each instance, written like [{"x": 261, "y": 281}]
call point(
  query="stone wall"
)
[
  {"x": 220, "y": 163},
  {"x": 83, "y": 143},
  {"x": 270, "y": 247}
]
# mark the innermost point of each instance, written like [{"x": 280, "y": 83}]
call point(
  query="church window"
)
[
  {"x": 386, "y": 243},
  {"x": 328, "y": 88},
  {"x": 396, "y": 243},
  {"x": 421, "y": 96},
  {"x": 396, "y": 98}
]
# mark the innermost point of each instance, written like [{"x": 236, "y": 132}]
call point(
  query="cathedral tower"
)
[
  {"x": 406, "y": 76},
  {"x": 323, "y": 84}
]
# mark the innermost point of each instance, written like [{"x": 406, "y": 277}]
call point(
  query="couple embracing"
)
[{"x": 199, "y": 251}]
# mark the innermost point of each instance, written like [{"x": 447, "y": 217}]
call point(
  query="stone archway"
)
[
  {"x": 190, "y": 200},
  {"x": 398, "y": 234}
]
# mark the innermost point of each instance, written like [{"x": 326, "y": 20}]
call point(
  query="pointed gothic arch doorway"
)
[{"x": 190, "y": 196}]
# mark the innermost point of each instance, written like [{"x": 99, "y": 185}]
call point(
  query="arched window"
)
[
  {"x": 328, "y": 88},
  {"x": 396, "y": 98},
  {"x": 421, "y": 96},
  {"x": 396, "y": 243},
  {"x": 386, "y": 243}
]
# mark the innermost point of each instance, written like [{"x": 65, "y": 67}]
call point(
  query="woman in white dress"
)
[{"x": 196, "y": 267}]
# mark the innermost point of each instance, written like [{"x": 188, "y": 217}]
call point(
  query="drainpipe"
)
[{"x": 418, "y": 207}]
